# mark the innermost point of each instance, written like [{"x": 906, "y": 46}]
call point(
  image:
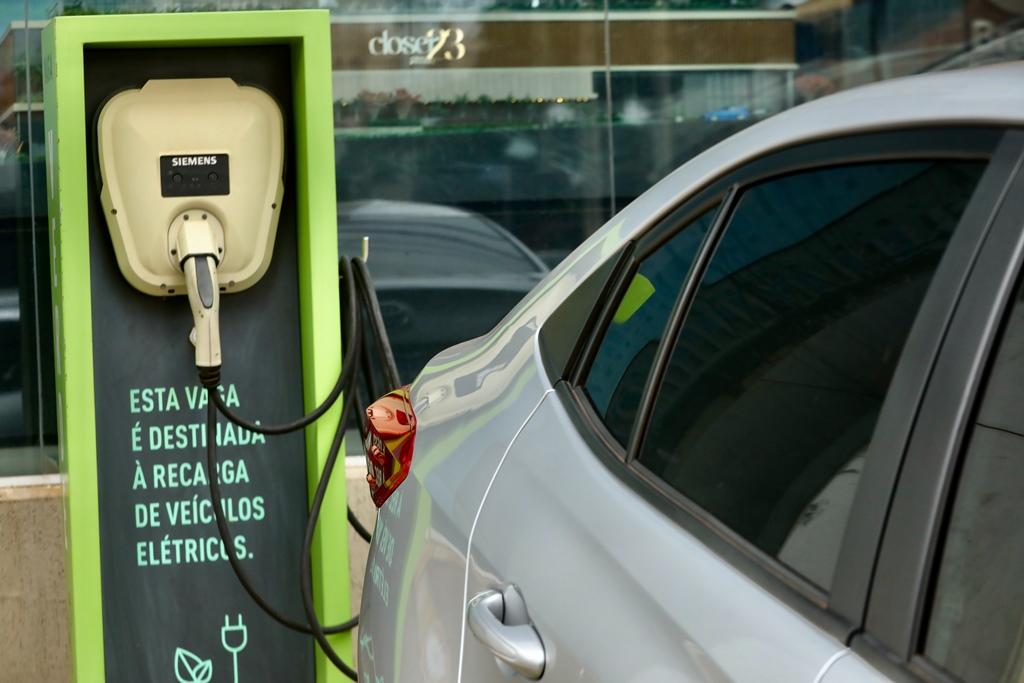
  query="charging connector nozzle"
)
[{"x": 197, "y": 251}]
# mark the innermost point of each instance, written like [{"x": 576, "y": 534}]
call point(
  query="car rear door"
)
[
  {"x": 701, "y": 494},
  {"x": 947, "y": 604}
]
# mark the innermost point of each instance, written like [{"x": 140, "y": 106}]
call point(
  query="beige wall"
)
[
  {"x": 33, "y": 619},
  {"x": 33, "y": 594},
  {"x": 359, "y": 500}
]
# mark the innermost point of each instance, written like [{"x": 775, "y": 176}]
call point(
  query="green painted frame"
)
[{"x": 64, "y": 42}]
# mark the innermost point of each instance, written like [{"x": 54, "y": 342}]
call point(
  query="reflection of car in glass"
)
[
  {"x": 733, "y": 113},
  {"x": 764, "y": 426},
  {"x": 1002, "y": 48},
  {"x": 11, "y": 413},
  {"x": 824, "y": 77},
  {"x": 443, "y": 275}
]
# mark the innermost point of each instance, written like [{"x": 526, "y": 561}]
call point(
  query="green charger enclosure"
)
[{"x": 151, "y": 595}]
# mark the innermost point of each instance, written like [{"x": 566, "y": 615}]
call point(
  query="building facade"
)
[{"x": 530, "y": 121}]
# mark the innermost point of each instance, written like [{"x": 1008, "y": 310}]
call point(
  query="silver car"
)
[{"x": 765, "y": 426}]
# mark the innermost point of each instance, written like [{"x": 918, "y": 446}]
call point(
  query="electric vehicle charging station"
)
[{"x": 190, "y": 168}]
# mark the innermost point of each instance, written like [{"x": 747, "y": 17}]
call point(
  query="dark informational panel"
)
[{"x": 172, "y": 608}]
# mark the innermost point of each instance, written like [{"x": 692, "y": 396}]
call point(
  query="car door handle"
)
[{"x": 499, "y": 621}]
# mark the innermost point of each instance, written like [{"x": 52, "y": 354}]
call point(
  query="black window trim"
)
[
  {"x": 583, "y": 355},
  {"x": 677, "y": 317},
  {"x": 841, "y": 612},
  {"x": 901, "y": 591},
  {"x": 586, "y": 348}
]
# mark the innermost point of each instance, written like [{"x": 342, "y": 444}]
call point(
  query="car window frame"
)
[
  {"x": 901, "y": 593},
  {"x": 681, "y": 219},
  {"x": 841, "y": 611}
]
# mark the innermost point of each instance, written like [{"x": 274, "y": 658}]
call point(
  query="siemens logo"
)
[
  {"x": 195, "y": 175},
  {"x": 194, "y": 161}
]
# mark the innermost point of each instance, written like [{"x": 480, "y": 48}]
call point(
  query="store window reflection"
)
[
  {"x": 547, "y": 116},
  {"x": 511, "y": 128},
  {"x": 27, "y": 431},
  {"x": 498, "y": 113},
  {"x": 498, "y": 116}
]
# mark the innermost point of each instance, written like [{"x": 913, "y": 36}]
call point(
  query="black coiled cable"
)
[{"x": 357, "y": 286}]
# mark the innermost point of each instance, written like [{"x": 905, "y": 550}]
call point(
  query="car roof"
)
[
  {"x": 990, "y": 95},
  {"x": 1003, "y": 48}
]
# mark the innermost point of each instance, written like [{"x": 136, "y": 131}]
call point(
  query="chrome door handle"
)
[{"x": 499, "y": 621}]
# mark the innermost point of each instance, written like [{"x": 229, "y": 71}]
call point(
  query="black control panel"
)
[{"x": 194, "y": 175}]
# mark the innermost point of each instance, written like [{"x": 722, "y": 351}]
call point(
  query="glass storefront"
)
[
  {"x": 27, "y": 412},
  {"x": 478, "y": 142}
]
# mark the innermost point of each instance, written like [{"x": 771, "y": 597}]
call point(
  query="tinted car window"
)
[
  {"x": 976, "y": 625},
  {"x": 776, "y": 380},
  {"x": 620, "y": 368}
]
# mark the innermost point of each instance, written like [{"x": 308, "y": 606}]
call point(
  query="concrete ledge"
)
[
  {"x": 366, "y": 512},
  {"x": 33, "y": 592}
]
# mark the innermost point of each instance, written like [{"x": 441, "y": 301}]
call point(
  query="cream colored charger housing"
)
[{"x": 189, "y": 117}]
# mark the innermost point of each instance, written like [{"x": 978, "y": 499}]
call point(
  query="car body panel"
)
[
  {"x": 849, "y": 667},
  {"x": 416, "y": 569},
  {"x": 614, "y": 603},
  {"x": 473, "y": 399}
]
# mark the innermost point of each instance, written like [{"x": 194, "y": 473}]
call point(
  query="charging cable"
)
[{"x": 357, "y": 288}]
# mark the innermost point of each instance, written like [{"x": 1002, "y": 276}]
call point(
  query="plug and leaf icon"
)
[{"x": 191, "y": 668}]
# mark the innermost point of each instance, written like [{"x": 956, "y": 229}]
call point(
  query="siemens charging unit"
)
[
  {"x": 195, "y": 271},
  {"x": 179, "y": 226}
]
